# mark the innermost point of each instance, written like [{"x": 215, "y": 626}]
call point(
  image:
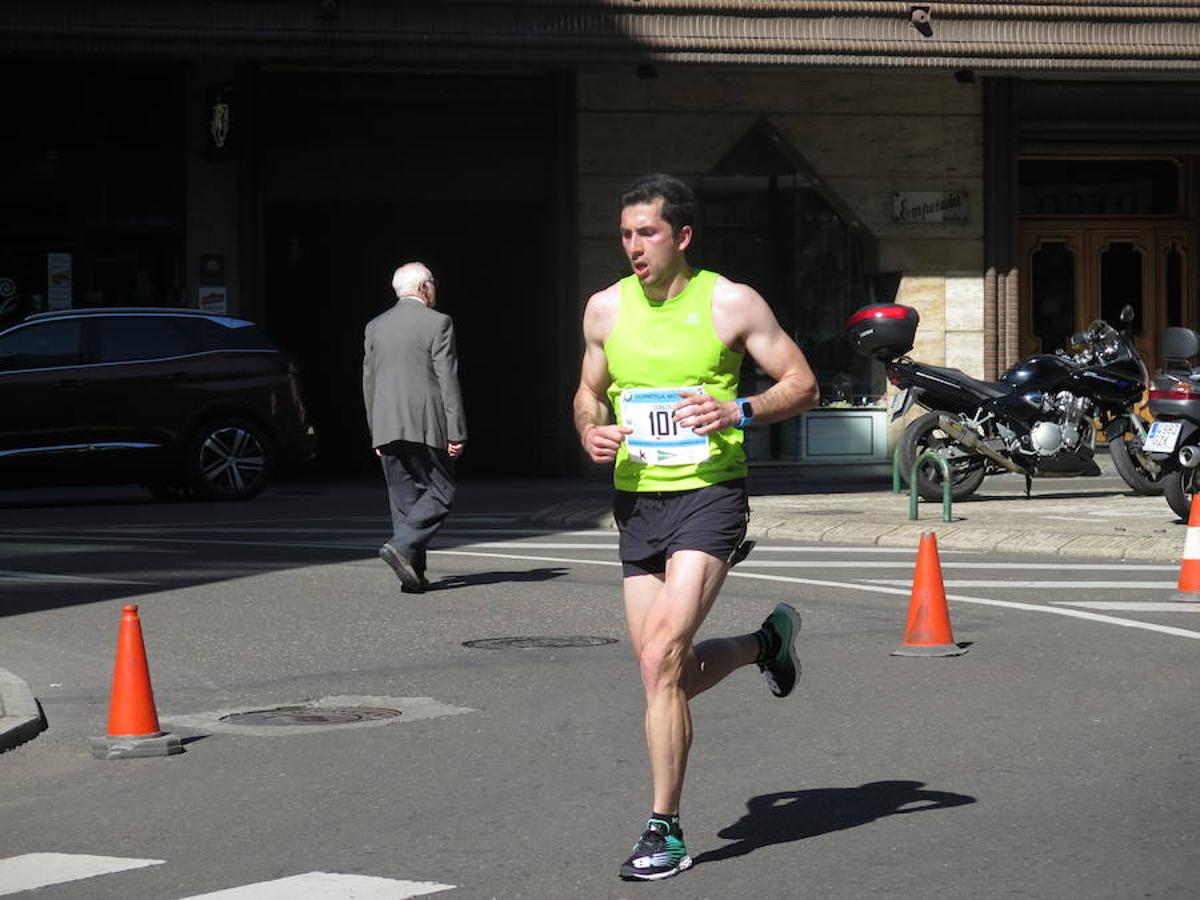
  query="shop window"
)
[
  {"x": 93, "y": 163},
  {"x": 765, "y": 218}
]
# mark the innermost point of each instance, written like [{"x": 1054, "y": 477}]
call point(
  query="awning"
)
[{"x": 1097, "y": 36}]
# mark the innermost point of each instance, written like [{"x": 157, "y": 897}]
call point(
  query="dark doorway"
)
[
  {"x": 359, "y": 172},
  {"x": 328, "y": 272}
]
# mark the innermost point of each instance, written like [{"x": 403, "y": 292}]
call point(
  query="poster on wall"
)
[
  {"x": 211, "y": 296},
  {"x": 58, "y": 280},
  {"x": 212, "y": 299}
]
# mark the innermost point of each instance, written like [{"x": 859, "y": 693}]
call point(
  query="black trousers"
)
[{"x": 420, "y": 483}]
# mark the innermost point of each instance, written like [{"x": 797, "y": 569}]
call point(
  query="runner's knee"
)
[{"x": 663, "y": 663}]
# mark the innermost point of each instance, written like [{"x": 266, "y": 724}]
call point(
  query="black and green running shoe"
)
[
  {"x": 782, "y": 667},
  {"x": 657, "y": 854}
]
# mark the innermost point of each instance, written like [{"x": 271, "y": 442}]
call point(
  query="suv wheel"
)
[{"x": 229, "y": 459}]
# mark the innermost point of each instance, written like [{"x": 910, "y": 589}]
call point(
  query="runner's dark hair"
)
[{"x": 679, "y": 204}]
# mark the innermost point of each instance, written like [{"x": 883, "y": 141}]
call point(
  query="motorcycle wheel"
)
[
  {"x": 1126, "y": 454},
  {"x": 924, "y": 433},
  {"x": 1178, "y": 487}
]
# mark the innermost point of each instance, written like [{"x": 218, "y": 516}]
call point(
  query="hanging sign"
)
[{"x": 219, "y": 131}]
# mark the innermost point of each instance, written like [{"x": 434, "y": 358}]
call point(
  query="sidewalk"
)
[{"x": 1077, "y": 517}]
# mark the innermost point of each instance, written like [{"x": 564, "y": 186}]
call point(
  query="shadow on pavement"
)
[
  {"x": 449, "y": 582},
  {"x": 795, "y": 815}
]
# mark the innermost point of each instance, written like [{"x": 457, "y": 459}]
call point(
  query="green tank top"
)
[{"x": 668, "y": 344}]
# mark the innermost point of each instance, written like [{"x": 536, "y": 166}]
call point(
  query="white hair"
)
[{"x": 407, "y": 279}]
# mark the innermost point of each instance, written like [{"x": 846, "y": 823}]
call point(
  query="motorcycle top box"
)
[{"x": 884, "y": 330}]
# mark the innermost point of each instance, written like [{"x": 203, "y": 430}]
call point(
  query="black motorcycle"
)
[
  {"x": 1037, "y": 420},
  {"x": 1173, "y": 439}
]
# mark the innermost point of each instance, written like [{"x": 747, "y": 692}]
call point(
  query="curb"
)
[{"x": 21, "y": 716}]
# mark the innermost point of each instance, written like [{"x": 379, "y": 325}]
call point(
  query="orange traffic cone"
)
[
  {"x": 132, "y": 719},
  {"x": 1189, "y": 569},
  {"x": 927, "y": 632}
]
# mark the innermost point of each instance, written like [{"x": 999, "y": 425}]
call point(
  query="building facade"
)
[{"x": 1012, "y": 171}]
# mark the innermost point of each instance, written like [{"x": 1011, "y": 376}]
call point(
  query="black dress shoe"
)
[{"x": 403, "y": 569}]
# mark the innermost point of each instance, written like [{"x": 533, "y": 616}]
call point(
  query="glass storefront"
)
[
  {"x": 92, "y": 171},
  {"x": 764, "y": 219}
]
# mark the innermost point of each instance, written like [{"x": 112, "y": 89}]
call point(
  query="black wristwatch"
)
[{"x": 747, "y": 412}]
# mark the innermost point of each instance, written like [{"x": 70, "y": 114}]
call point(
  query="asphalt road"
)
[{"x": 1057, "y": 758}]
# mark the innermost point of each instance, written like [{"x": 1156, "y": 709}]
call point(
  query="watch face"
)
[{"x": 747, "y": 410}]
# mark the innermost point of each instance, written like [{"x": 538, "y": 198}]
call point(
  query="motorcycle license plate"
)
[
  {"x": 1161, "y": 437},
  {"x": 900, "y": 403}
]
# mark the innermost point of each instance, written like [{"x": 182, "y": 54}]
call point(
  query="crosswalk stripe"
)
[
  {"x": 327, "y": 886},
  {"x": 35, "y": 870}
]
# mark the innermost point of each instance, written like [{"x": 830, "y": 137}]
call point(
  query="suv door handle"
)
[
  {"x": 177, "y": 376},
  {"x": 72, "y": 383}
]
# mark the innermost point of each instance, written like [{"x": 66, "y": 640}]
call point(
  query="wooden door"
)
[{"x": 1074, "y": 273}]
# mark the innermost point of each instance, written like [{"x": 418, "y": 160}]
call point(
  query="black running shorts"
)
[{"x": 710, "y": 519}]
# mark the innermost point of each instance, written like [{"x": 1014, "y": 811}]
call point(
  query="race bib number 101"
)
[{"x": 657, "y": 439}]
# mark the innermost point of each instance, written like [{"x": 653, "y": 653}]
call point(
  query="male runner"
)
[{"x": 663, "y": 348}]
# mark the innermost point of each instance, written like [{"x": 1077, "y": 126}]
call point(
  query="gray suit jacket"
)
[{"x": 410, "y": 377}]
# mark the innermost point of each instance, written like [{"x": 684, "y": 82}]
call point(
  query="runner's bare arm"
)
[
  {"x": 744, "y": 321},
  {"x": 600, "y": 439}
]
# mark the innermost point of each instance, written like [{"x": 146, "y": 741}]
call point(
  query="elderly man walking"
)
[{"x": 415, "y": 412}]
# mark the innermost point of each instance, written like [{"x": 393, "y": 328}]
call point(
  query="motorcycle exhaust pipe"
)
[
  {"x": 973, "y": 442},
  {"x": 1189, "y": 457}
]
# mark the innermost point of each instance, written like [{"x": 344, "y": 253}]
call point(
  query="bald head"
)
[{"x": 414, "y": 280}]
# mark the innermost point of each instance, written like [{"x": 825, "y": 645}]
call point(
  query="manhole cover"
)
[
  {"x": 311, "y": 715},
  {"x": 527, "y": 643}
]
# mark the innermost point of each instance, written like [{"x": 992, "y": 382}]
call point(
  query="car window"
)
[
  {"x": 40, "y": 346},
  {"x": 129, "y": 338},
  {"x": 216, "y": 336}
]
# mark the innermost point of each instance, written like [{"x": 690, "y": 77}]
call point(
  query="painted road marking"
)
[
  {"x": 907, "y": 562},
  {"x": 328, "y": 886},
  {"x": 1055, "y": 585},
  {"x": 12, "y": 575},
  {"x": 35, "y": 870},
  {"x": 1134, "y": 605},
  {"x": 874, "y": 588},
  {"x": 789, "y": 579}
]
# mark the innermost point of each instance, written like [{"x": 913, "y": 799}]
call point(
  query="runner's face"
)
[{"x": 654, "y": 252}]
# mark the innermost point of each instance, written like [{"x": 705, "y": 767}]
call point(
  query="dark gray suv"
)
[{"x": 188, "y": 403}]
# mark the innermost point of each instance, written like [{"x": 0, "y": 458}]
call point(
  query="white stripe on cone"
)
[{"x": 1189, "y": 569}]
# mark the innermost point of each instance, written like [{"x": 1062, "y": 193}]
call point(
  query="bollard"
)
[
  {"x": 936, "y": 456},
  {"x": 896, "y": 470}
]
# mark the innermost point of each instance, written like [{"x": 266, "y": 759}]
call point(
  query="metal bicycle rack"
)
[{"x": 940, "y": 461}]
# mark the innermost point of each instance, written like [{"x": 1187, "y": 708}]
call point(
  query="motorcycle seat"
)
[{"x": 991, "y": 389}]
